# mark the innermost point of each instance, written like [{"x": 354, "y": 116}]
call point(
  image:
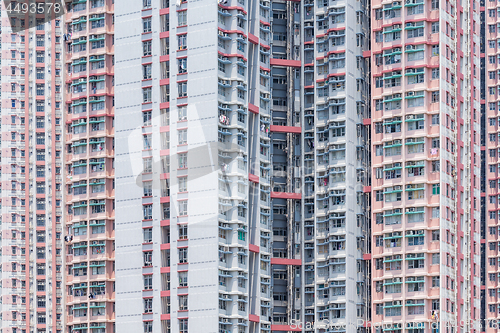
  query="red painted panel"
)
[
  {"x": 164, "y": 199},
  {"x": 367, "y": 121},
  {"x": 284, "y": 261},
  {"x": 367, "y": 256},
  {"x": 286, "y": 129},
  {"x": 253, "y": 39},
  {"x": 253, "y": 248},
  {"x": 165, "y": 246},
  {"x": 285, "y": 62},
  {"x": 253, "y": 178},
  {"x": 253, "y": 108},
  {"x": 254, "y": 318},
  {"x": 367, "y": 189},
  {"x": 285, "y": 328},
  {"x": 286, "y": 195}
]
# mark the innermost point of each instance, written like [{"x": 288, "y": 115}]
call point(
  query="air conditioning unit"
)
[{"x": 410, "y": 93}]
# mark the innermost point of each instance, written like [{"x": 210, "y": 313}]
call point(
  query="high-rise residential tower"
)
[
  {"x": 248, "y": 185},
  {"x": 32, "y": 193},
  {"x": 491, "y": 184},
  {"x": 426, "y": 165},
  {"x": 89, "y": 167},
  {"x": 321, "y": 164},
  {"x": 193, "y": 167}
]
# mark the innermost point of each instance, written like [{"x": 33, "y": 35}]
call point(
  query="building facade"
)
[
  {"x": 193, "y": 148},
  {"x": 426, "y": 161},
  {"x": 321, "y": 165},
  {"x": 247, "y": 208},
  {"x": 244, "y": 185},
  {"x": 490, "y": 160},
  {"x": 32, "y": 183},
  {"x": 89, "y": 167}
]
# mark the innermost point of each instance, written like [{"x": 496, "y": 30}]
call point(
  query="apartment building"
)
[
  {"x": 89, "y": 167},
  {"x": 193, "y": 149},
  {"x": 426, "y": 163},
  {"x": 490, "y": 184},
  {"x": 251, "y": 160},
  {"x": 321, "y": 163},
  {"x": 32, "y": 195}
]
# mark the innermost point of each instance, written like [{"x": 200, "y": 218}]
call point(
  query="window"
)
[
  {"x": 148, "y": 212},
  {"x": 183, "y": 208},
  {"x": 183, "y": 229},
  {"x": 435, "y": 189},
  {"x": 146, "y": 72},
  {"x": 148, "y": 305},
  {"x": 182, "y": 89},
  {"x": 146, "y": 118},
  {"x": 148, "y": 282},
  {"x": 182, "y": 42},
  {"x": 182, "y": 135},
  {"x": 182, "y": 18},
  {"x": 146, "y": 48},
  {"x": 182, "y": 158},
  {"x": 435, "y": 119},
  {"x": 434, "y": 27},
  {"x": 183, "y": 302},
  {"x": 147, "y": 235},
  {"x": 183, "y": 326},
  {"x": 435, "y": 259},
  {"x": 96, "y": 3},
  {"x": 148, "y": 258},
  {"x": 182, "y": 63},
  {"x": 146, "y": 24},
  {"x": 183, "y": 255},
  {"x": 147, "y": 95},
  {"x": 182, "y": 113},
  {"x": 40, "y": 89},
  {"x": 148, "y": 327},
  {"x": 182, "y": 184},
  {"x": 183, "y": 279}
]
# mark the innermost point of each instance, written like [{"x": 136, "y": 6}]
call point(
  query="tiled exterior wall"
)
[{"x": 89, "y": 167}]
